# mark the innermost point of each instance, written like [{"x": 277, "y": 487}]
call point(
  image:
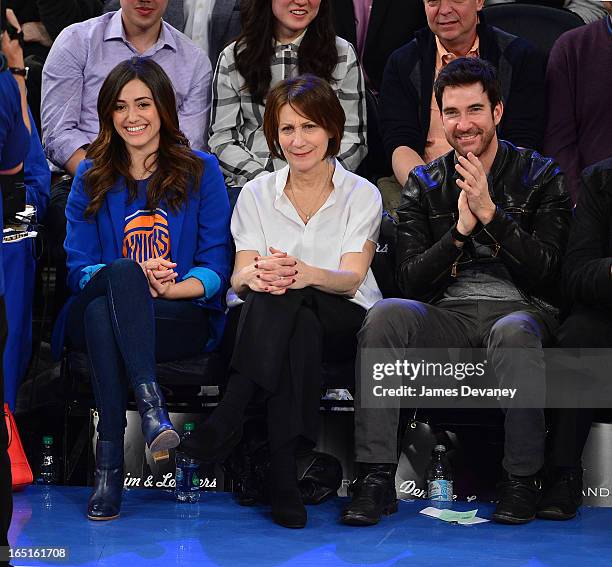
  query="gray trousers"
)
[{"x": 397, "y": 324}]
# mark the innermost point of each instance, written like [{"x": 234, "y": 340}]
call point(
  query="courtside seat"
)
[
  {"x": 375, "y": 165},
  {"x": 178, "y": 378},
  {"x": 541, "y": 25}
]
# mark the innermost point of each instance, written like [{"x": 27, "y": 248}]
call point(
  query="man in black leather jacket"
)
[{"x": 480, "y": 238}]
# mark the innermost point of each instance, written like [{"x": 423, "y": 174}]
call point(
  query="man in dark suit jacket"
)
[
  {"x": 225, "y": 26},
  {"x": 392, "y": 24}
]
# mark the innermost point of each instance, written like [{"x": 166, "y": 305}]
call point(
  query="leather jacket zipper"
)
[
  {"x": 444, "y": 215},
  {"x": 497, "y": 247},
  {"x": 453, "y": 267}
]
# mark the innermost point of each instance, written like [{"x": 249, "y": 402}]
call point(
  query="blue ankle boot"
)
[
  {"x": 105, "y": 502},
  {"x": 158, "y": 431}
]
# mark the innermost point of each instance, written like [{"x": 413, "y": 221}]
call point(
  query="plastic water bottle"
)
[
  {"x": 47, "y": 472},
  {"x": 187, "y": 475},
  {"x": 439, "y": 476}
]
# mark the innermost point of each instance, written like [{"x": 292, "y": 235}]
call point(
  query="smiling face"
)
[
  {"x": 136, "y": 118},
  {"x": 292, "y": 17},
  {"x": 303, "y": 142},
  {"x": 468, "y": 120},
  {"x": 453, "y": 21},
  {"x": 142, "y": 14}
]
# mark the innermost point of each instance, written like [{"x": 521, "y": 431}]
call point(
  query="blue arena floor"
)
[{"x": 154, "y": 530}]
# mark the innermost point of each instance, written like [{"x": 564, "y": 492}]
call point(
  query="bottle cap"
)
[
  {"x": 440, "y": 448},
  {"x": 48, "y": 440},
  {"x": 189, "y": 426}
]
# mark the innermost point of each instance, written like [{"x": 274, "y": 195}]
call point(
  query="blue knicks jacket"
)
[{"x": 199, "y": 240}]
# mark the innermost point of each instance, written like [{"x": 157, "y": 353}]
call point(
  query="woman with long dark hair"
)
[
  {"x": 305, "y": 237},
  {"x": 280, "y": 39},
  {"x": 147, "y": 251}
]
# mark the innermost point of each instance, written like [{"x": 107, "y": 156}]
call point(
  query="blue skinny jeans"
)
[{"x": 125, "y": 331}]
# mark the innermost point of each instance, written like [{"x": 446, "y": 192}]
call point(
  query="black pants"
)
[
  {"x": 586, "y": 327},
  {"x": 499, "y": 326},
  {"x": 55, "y": 220},
  {"x": 6, "y": 497},
  {"x": 280, "y": 345}
]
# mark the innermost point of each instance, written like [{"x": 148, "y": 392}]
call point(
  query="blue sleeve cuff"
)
[
  {"x": 209, "y": 279},
  {"x": 88, "y": 273}
]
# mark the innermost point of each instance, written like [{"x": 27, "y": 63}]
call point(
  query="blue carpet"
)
[{"x": 154, "y": 530}]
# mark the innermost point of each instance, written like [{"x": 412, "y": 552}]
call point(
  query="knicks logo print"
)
[{"x": 146, "y": 236}]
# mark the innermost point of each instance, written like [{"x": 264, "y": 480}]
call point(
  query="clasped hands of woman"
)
[
  {"x": 161, "y": 278},
  {"x": 160, "y": 275},
  {"x": 276, "y": 273}
]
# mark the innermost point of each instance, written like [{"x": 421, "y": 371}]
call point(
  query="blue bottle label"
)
[{"x": 440, "y": 489}]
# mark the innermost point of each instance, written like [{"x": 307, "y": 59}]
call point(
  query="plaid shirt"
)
[{"x": 236, "y": 133}]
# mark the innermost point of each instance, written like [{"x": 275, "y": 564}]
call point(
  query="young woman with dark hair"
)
[
  {"x": 305, "y": 237},
  {"x": 280, "y": 39},
  {"x": 148, "y": 259}
]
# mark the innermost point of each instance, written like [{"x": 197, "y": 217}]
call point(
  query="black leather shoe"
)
[
  {"x": 373, "y": 494},
  {"x": 105, "y": 502},
  {"x": 518, "y": 499},
  {"x": 562, "y": 495},
  {"x": 319, "y": 476},
  {"x": 158, "y": 431}
]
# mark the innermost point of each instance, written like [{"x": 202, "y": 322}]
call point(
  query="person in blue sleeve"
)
[
  {"x": 148, "y": 254},
  {"x": 36, "y": 175},
  {"x": 14, "y": 144}
]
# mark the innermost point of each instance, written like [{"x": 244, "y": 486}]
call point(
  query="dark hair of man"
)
[
  {"x": 312, "y": 98},
  {"x": 254, "y": 49},
  {"x": 177, "y": 167},
  {"x": 467, "y": 71}
]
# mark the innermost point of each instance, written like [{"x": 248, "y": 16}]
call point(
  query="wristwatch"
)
[
  {"x": 21, "y": 71},
  {"x": 458, "y": 236}
]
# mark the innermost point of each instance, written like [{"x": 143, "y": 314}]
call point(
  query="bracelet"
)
[
  {"x": 21, "y": 71},
  {"x": 458, "y": 236}
]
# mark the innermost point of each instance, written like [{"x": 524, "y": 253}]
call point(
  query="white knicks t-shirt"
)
[{"x": 264, "y": 216}]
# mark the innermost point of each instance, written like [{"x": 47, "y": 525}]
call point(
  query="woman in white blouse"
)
[{"x": 305, "y": 237}]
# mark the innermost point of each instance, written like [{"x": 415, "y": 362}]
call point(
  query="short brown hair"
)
[{"x": 313, "y": 98}]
